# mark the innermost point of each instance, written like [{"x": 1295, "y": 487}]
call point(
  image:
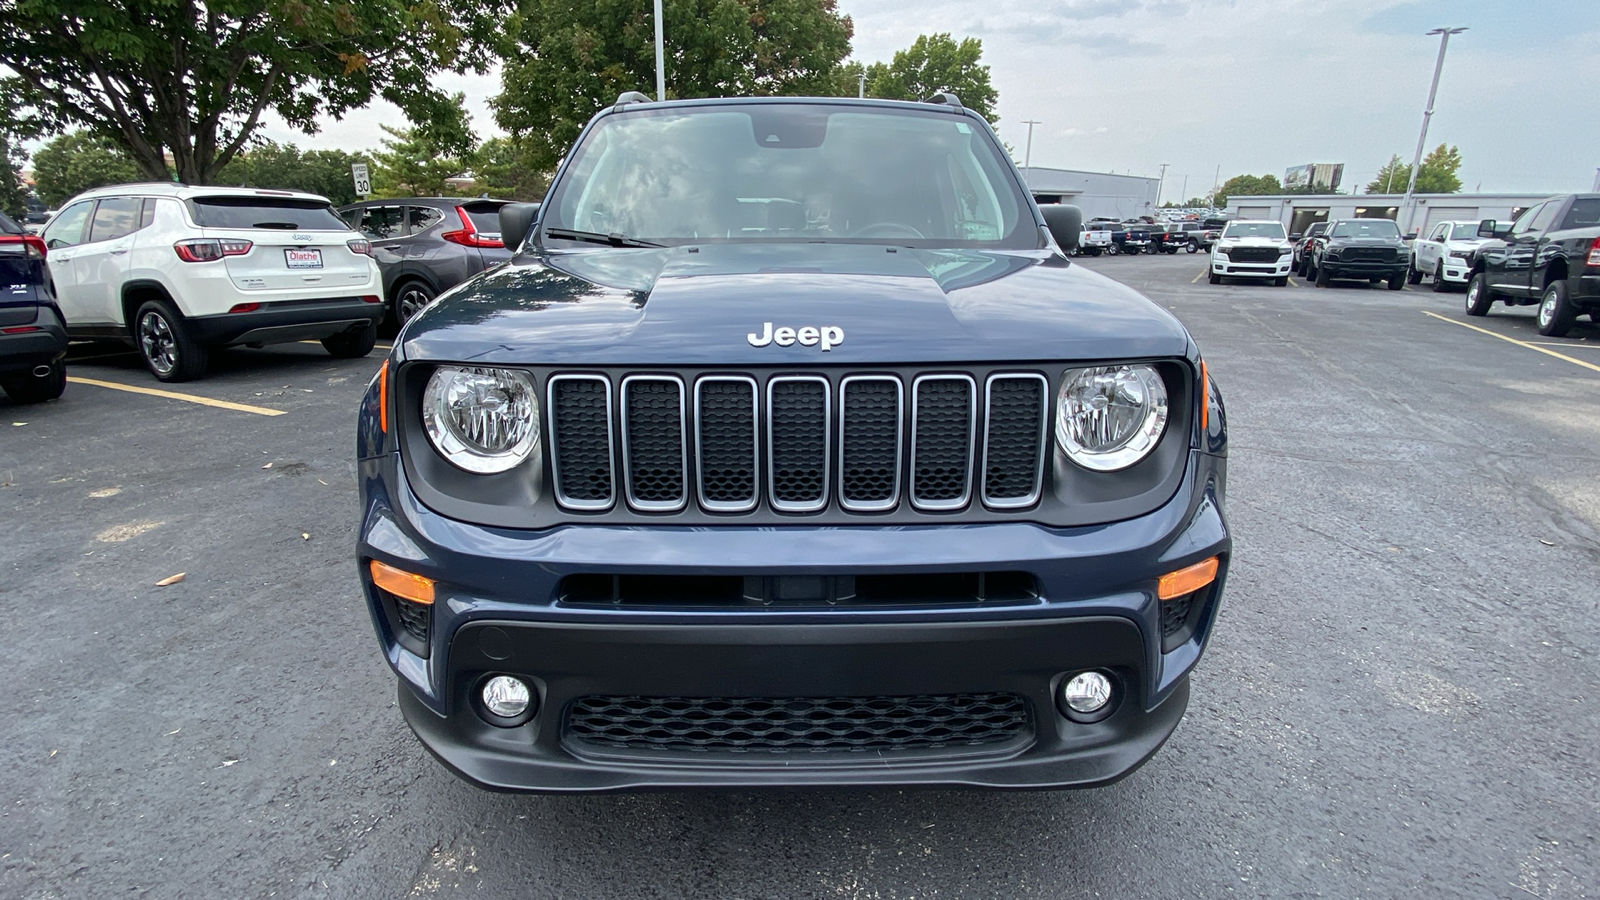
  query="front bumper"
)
[
  {"x": 1368, "y": 269},
  {"x": 1279, "y": 269},
  {"x": 497, "y": 612}
]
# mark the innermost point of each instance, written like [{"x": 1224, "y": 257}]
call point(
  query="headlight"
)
[
  {"x": 1461, "y": 254},
  {"x": 482, "y": 420},
  {"x": 1286, "y": 249},
  {"x": 1110, "y": 417}
]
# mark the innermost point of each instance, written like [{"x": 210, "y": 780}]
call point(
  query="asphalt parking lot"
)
[{"x": 1399, "y": 701}]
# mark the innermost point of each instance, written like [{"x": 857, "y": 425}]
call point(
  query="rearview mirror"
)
[
  {"x": 1486, "y": 228},
  {"x": 515, "y": 221},
  {"x": 1065, "y": 223}
]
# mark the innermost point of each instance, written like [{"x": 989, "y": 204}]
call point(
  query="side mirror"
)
[
  {"x": 1487, "y": 227},
  {"x": 1064, "y": 222},
  {"x": 516, "y": 219},
  {"x": 1296, "y": 237},
  {"x": 1409, "y": 237}
]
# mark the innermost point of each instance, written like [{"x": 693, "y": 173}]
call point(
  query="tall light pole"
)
[
  {"x": 1422, "y": 139},
  {"x": 1027, "y": 153},
  {"x": 1161, "y": 184},
  {"x": 661, "y": 63},
  {"x": 861, "y": 84}
]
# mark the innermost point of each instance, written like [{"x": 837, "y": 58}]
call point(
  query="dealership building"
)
[
  {"x": 1298, "y": 211},
  {"x": 1098, "y": 194}
]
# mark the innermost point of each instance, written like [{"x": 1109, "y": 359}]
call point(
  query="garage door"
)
[
  {"x": 1437, "y": 214},
  {"x": 1255, "y": 212}
]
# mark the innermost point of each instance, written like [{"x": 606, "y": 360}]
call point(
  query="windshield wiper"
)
[{"x": 615, "y": 239}]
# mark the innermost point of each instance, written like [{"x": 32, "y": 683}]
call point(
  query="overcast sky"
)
[{"x": 1253, "y": 86}]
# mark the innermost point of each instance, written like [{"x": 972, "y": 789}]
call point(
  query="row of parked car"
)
[
  {"x": 178, "y": 271},
  {"x": 1108, "y": 236},
  {"x": 1550, "y": 256}
]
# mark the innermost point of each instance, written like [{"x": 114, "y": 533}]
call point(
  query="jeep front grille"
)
[{"x": 796, "y": 443}]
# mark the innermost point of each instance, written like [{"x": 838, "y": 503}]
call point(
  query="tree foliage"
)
[
  {"x": 935, "y": 63},
  {"x": 193, "y": 79},
  {"x": 286, "y": 167},
  {"x": 76, "y": 162},
  {"x": 1436, "y": 175},
  {"x": 504, "y": 169},
  {"x": 416, "y": 161},
  {"x": 568, "y": 58},
  {"x": 1247, "y": 186}
]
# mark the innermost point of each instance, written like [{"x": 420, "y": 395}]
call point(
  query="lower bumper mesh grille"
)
[{"x": 811, "y": 724}]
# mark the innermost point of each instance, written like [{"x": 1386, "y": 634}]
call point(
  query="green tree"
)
[
  {"x": 1436, "y": 175},
  {"x": 417, "y": 160},
  {"x": 567, "y": 58},
  {"x": 285, "y": 167},
  {"x": 13, "y": 194},
  {"x": 503, "y": 169},
  {"x": 935, "y": 63},
  {"x": 193, "y": 79},
  {"x": 1247, "y": 186},
  {"x": 75, "y": 162}
]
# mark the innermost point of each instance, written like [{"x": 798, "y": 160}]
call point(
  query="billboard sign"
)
[{"x": 1322, "y": 176}]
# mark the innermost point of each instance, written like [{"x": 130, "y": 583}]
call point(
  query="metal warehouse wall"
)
[
  {"x": 1096, "y": 193},
  {"x": 1296, "y": 211}
]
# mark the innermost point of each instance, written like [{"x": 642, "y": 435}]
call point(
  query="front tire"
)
[
  {"x": 1114, "y": 250},
  {"x": 1412, "y": 275},
  {"x": 1478, "y": 297},
  {"x": 29, "y": 388},
  {"x": 163, "y": 339},
  {"x": 1321, "y": 275},
  {"x": 1556, "y": 315},
  {"x": 1192, "y": 248},
  {"x": 1281, "y": 282},
  {"x": 352, "y": 344},
  {"x": 1215, "y": 278},
  {"x": 1439, "y": 284},
  {"x": 1397, "y": 282}
]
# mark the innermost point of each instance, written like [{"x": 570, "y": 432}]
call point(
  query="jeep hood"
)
[{"x": 696, "y": 305}]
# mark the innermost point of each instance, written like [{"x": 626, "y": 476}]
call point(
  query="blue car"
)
[
  {"x": 789, "y": 448},
  {"x": 33, "y": 336}
]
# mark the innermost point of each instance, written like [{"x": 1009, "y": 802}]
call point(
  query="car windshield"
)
[
  {"x": 1464, "y": 231},
  {"x": 1365, "y": 228},
  {"x": 796, "y": 172},
  {"x": 1256, "y": 229}
]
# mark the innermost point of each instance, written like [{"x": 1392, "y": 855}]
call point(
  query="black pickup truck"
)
[{"x": 1550, "y": 256}]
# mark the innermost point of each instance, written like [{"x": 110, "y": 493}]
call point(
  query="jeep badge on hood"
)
[{"x": 828, "y": 336}]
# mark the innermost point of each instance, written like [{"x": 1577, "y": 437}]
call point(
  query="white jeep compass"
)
[{"x": 177, "y": 270}]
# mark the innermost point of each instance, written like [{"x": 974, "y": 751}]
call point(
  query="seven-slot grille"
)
[
  {"x": 1369, "y": 254},
  {"x": 867, "y": 442}
]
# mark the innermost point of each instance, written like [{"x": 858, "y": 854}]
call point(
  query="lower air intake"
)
[{"x": 797, "y": 724}]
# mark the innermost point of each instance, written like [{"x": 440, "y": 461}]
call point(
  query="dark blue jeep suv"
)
[
  {"x": 33, "y": 336},
  {"x": 789, "y": 448}
]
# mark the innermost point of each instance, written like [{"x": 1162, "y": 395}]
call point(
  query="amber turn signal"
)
[
  {"x": 1184, "y": 581},
  {"x": 383, "y": 398},
  {"x": 402, "y": 584},
  {"x": 1205, "y": 400}
]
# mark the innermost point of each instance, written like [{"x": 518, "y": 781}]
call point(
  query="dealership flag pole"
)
[
  {"x": 1422, "y": 139},
  {"x": 661, "y": 71}
]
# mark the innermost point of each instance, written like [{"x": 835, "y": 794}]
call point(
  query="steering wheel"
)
[{"x": 887, "y": 230}]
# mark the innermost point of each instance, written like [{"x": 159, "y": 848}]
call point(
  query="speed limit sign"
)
[{"x": 358, "y": 171}]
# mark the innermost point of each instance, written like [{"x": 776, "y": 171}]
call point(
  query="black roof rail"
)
[
  {"x": 627, "y": 97},
  {"x": 945, "y": 98}
]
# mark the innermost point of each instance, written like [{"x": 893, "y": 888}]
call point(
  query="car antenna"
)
[
  {"x": 945, "y": 98},
  {"x": 626, "y": 97}
]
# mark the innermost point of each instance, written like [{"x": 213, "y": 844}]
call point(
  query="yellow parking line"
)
[
  {"x": 1576, "y": 362},
  {"x": 1293, "y": 283},
  {"x": 174, "y": 395},
  {"x": 1198, "y": 277}
]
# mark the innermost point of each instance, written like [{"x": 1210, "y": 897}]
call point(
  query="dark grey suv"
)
[{"x": 426, "y": 245}]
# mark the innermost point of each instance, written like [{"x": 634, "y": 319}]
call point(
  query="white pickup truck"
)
[
  {"x": 1445, "y": 254},
  {"x": 1095, "y": 239}
]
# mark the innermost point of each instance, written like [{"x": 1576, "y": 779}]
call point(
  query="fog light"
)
[
  {"x": 1087, "y": 692},
  {"x": 506, "y": 697}
]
